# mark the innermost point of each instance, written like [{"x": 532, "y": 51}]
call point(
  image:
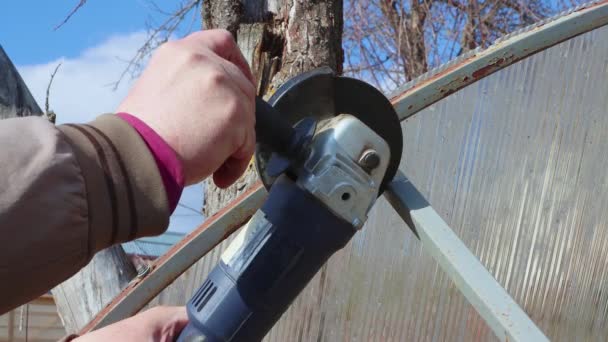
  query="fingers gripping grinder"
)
[{"x": 327, "y": 146}]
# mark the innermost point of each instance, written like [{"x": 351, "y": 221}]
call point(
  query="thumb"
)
[
  {"x": 166, "y": 321},
  {"x": 236, "y": 165}
]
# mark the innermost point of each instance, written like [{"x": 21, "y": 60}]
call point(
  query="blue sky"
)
[
  {"x": 92, "y": 48},
  {"x": 27, "y": 27}
]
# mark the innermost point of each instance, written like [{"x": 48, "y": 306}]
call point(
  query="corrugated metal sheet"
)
[{"x": 516, "y": 163}]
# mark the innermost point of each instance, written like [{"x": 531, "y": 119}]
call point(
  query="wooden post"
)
[{"x": 81, "y": 297}]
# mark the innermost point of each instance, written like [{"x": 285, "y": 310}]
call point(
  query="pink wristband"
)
[{"x": 168, "y": 164}]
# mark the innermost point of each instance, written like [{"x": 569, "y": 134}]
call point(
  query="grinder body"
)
[
  {"x": 323, "y": 178},
  {"x": 271, "y": 260}
]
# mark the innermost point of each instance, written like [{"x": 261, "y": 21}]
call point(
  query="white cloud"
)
[{"x": 82, "y": 88}]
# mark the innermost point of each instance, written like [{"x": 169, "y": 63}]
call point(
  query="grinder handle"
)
[{"x": 272, "y": 129}]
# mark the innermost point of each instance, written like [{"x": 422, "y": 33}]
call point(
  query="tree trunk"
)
[
  {"x": 280, "y": 39},
  {"x": 15, "y": 99}
]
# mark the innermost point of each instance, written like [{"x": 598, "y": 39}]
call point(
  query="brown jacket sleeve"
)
[{"x": 66, "y": 193}]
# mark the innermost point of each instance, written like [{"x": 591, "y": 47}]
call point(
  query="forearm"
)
[{"x": 68, "y": 192}]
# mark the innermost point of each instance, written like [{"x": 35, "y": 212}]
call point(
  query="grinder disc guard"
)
[{"x": 321, "y": 94}]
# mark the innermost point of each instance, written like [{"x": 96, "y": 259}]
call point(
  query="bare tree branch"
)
[
  {"x": 51, "y": 116},
  {"x": 72, "y": 12},
  {"x": 157, "y": 35},
  {"x": 421, "y": 34}
]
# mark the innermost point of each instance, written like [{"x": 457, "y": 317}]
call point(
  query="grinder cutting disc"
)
[{"x": 321, "y": 94}]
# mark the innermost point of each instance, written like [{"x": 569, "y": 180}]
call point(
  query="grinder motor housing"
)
[{"x": 322, "y": 184}]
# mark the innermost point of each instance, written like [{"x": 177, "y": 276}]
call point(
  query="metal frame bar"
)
[
  {"x": 493, "y": 303},
  {"x": 477, "y": 64},
  {"x": 508, "y": 321}
]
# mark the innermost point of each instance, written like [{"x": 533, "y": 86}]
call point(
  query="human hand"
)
[
  {"x": 198, "y": 94},
  {"x": 159, "y": 324}
]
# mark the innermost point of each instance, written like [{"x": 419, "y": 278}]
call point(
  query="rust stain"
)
[
  {"x": 433, "y": 78},
  {"x": 232, "y": 226},
  {"x": 453, "y": 86},
  {"x": 488, "y": 69}
]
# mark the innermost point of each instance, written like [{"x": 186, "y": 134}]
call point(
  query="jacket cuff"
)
[
  {"x": 169, "y": 166},
  {"x": 125, "y": 193}
]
